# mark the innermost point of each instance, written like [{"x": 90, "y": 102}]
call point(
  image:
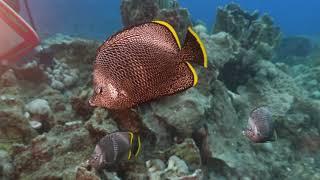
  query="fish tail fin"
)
[{"x": 193, "y": 49}]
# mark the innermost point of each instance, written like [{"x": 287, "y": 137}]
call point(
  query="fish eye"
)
[{"x": 98, "y": 90}]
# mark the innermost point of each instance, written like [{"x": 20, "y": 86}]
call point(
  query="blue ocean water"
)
[
  {"x": 90, "y": 19},
  {"x": 293, "y": 16},
  {"x": 98, "y": 19}
]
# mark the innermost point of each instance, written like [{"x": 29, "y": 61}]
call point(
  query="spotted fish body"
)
[
  {"x": 260, "y": 125},
  {"x": 114, "y": 148},
  {"x": 144, "y": 62}
]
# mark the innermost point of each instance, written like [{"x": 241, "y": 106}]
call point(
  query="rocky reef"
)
[
  {"x": 48, "y": 130},
  {"x": 254, "y": 32},
  {"x": 140, "y": 11}
]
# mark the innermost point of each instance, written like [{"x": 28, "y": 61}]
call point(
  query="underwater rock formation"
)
[
  {"x": 140, "y": 11},
  {"x": 273, "y": 87},
  {"x": 239, "y": 78},
  {"x": 188, "y": 151},
  {"x": 14, "y": 125},
  {"x": 62, "y": 149},
  {"x": 100, "y": 124},
  {"x": 308, "y": 78},
  {"x": 31, "y": 71},
  {"x": 38, "y": 110},
  {"x": 27, "y": 100},
  {"x": 83, "y": 173},
  {"x": 225, "y": 47},
  {"x": 39, "y": 107},
  {"x": 61, "y": 75},
  {"x": 176, "y": 169},
  {"x": 6, "y": 167},
  {"x": 245, "y": 81},
  {"x": 80, "y": 103},
  {"x": 8, "y": 78},
  {"x": 178, "y": 18},
  {"x": 253, "y": 32},
  {"x": 76, "y": 54},
  {"x": 189, "y": 108}
]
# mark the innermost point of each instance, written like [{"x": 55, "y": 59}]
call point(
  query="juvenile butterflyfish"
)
[
  {"x": 145, "y": 62},
  {"x": 260, "y": 127},
  {"x": 114, "y": 148}
]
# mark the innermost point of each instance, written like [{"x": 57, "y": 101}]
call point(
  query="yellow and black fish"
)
[
  {"x": 145, "y": 62},
  {"x": 115, "y": 147}
]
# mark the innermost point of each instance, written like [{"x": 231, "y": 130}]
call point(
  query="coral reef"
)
[
  {"x": 308, "y": 78},
  {"x": 188, "y": 151},
  {"x": 49, "y": 133},
  {"x": 176, "y": 169},
  {"x": 14, "y": 125},
  {"x": 80, "y": 104},
  {"x": 246, "y": 80},
  {"x": 60, "y": 151},
  {"x": 140, "y": 11},
  {"x": 100, "y": 124},
  {"x": 252, "y": 31},
  {"x": 8, "y": 78},
  {"x": 38, "y": 107},
  {"x": 39, "y": 114},
  {"x": 31, "y": 71},
  {"x": 6, "y": 169},
  {"x": 189, "y": 108},
  {"x": 61, "y": 75},
  {"x": 30, "y": 107}
]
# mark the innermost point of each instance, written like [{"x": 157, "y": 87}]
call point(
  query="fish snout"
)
[
  {"x": 91, "y": 101},
  {"x": 248, "y": 132},
  {"x": 244, "y": 132}
]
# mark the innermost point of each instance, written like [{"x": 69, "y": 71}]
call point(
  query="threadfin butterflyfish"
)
[
  {"x": 145, "y": 62},
  {"x": 115, "y": 147}
]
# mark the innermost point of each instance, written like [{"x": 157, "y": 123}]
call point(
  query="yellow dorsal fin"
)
[
  {"x": 195, "y": 76},
  {"x": 139, "y": 147},
  {"x": 171, "y": 29},
  {"x": 131, "y": 140},
  {"x": 203, "y": 49}
]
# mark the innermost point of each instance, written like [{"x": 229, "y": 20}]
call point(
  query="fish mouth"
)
[
  {"x": 244, "y": 132},
  {"x": 91, "y": 102}
]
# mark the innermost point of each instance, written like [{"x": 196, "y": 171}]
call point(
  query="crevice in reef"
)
[{"x": 234, "y": 74}]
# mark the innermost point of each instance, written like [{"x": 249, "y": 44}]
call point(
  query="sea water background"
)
[{"x": 99, "y": 18}]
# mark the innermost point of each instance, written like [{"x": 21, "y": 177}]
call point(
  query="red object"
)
[{"x": 17, "y": 37}]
